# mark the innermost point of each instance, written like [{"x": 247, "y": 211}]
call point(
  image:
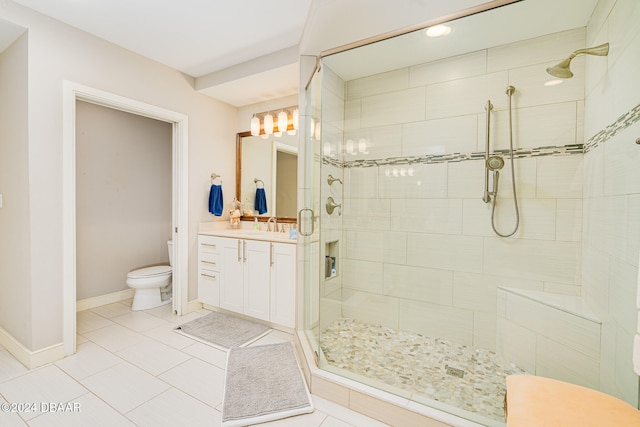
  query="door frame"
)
[{"x": 72, "y": 92}]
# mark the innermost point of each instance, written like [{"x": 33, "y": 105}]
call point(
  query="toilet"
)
[{"x": 152, "y": 285}]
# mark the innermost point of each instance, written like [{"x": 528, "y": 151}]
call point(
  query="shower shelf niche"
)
[{"x": 331, "y": 258}]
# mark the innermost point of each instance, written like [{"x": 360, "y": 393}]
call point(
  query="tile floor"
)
[{"x": 131, "y": 369}]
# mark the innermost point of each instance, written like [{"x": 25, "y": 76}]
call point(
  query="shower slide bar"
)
[
  {"x": 487, "y": 195},
  {"x": 495, "y": 163}
]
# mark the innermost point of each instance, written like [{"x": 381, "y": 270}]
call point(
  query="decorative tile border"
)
[
  {"x": 623, "y": 122},
  {"x": 457, "y": 157}
]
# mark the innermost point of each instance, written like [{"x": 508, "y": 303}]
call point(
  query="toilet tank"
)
[{"x": 170, "y": 248}]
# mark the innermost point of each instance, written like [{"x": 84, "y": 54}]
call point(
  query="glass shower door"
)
[{"x": 309, "y": 227}]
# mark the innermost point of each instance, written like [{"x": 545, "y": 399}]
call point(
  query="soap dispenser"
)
[{"x": 256, "y": 224}]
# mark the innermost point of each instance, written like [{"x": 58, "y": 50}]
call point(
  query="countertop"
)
[{"x": 221, "y": 229}]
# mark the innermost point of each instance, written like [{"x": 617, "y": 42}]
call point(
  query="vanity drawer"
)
[
  {"x": 209, "y": 287},
  {"x": 209, "y": 261},
  {"x": 209, "y": 244}
]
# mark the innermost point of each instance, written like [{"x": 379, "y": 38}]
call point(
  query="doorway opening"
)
[{"x": 72, "y": 93}]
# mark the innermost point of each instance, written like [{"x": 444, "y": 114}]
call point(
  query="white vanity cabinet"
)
[{"x": 253, "y": 277}]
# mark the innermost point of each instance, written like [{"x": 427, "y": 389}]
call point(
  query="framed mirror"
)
[{"x": 271, "y": 164}]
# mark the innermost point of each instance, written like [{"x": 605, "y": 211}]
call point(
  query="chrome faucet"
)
[{"x": 275, "y": 224}]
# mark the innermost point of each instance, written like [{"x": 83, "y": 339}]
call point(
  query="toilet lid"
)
[{"x": 156, "y": 270}]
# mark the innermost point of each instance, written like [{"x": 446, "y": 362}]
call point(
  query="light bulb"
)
[
  {"x": 295, "y": 119},
  {"x": 255, "y": 125},
  {"x": 349, "y": 146},
  {"x": 268, "y": 124},
  {"x": 438, "y": 31},
  {"x": 283, "y": 121},
  {"x": 326, "y": 149}
]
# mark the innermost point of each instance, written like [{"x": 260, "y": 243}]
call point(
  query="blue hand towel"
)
[
  {"x": 215, "y": 200},
  {"x": 261, "y": 201}
]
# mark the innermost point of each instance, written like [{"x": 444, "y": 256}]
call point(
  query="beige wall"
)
[
  {"x": 58, "y": 52},
  {"x": 123, "y": 196},
  {"x": 14, "y": 186}
]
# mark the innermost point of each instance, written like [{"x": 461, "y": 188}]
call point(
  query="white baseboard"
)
[
  {"x": 89, "y": 303},
  {"x": 30, "y": 359}
]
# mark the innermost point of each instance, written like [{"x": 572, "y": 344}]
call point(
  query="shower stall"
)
[{"x": 410, "y": 287}]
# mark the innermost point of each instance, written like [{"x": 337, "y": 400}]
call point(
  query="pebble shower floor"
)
[{"x": 427, "y": 366}]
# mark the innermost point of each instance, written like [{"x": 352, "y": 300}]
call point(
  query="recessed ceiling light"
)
[
  {"x": 553, "y": 82},
  {"x": 438, "y": 30}
]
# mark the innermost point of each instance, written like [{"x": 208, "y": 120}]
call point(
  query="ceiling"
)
[
  {"x": 246, "y": 51},
  {"x": 201, "y": 38},
  {"x": 503, "y": 25}
]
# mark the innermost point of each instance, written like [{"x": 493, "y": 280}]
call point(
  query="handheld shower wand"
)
[
  {"x": 495, "y": 164},
  {"x": 562, "y": 70}
]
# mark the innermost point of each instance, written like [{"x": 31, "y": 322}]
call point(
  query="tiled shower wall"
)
[
  {"x": 418, "y": 250},
  {"x": 611, "y": 238}
]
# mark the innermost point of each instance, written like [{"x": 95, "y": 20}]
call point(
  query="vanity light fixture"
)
[{"x": 264, "y": 124}]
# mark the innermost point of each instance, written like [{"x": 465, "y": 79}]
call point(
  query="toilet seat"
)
[{"x": 147, "y": 272}]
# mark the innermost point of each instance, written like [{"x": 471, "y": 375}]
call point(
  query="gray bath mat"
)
[
  {"x": 223, "y": 331},
  {"x": 263, "y": 383}
]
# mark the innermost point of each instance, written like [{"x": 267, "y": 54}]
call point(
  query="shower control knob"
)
[{"x": 638, "y": 141}]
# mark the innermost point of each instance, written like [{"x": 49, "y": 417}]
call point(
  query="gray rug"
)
[
  {"x": 263, "y": 383},
  {"x": 223, "y": 331}
]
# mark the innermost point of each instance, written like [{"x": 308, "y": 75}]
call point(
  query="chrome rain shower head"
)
[{"x": 562, "y": 70}]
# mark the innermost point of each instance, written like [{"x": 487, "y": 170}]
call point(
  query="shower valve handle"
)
[{"x": 331, "y": 205}]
